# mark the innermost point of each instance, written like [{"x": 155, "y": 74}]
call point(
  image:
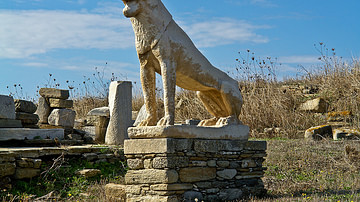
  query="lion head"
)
[{"x": 149, "y": 19}]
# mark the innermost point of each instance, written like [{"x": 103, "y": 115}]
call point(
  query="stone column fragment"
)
[
  {"x": 120, "y": 105},
  {"x": 43, "y": 110}
]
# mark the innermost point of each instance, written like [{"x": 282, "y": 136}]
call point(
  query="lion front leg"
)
[
  {"x": 168, "y": 73},
  {"x": 147, "y": 76}
]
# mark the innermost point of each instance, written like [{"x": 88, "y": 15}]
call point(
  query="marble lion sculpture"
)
[{"x": 163, "y": 47}]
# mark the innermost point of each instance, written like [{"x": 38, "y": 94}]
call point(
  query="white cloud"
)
[
  {"x": 299, "y": 59},
  {"x": 35, "y": 64},
  {"x": 26, "y": 33},
  {"x": 224, "y": 31}
]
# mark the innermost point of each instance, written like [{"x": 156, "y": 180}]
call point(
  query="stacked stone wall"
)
[
  {"x": 25, "y": 163},
  {"x": 169, "y": 169}
]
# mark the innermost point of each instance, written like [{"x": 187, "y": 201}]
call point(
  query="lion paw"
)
[
  {"x": 165, "y": 121},
  {"x": 147, "y": 122},
  {"x": 230, "y": 120},
  {"x": 208, "y": 122}
]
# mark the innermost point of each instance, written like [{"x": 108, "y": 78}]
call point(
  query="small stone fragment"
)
[{"x": 89, "y": 172}]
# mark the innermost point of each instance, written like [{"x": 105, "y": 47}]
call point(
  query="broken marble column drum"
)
[{"x": 120, "y": 106}]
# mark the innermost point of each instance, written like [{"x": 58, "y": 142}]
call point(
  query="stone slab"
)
[
  {"x": 151, "y": 176},
  {"x": 229, "y": 132},
  {"x": 10, "y": 123},
  {"x": 156, "y": 146},
  {"x": 7, "y": 107},
  {"x": 60, "y": 103},
  {"x": 26, "y": 133},
  {"x": 54, "y": 93}
]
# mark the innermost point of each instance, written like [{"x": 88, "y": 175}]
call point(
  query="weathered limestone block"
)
[
  {"x": 197, "y": 174},
  {"x": 26, "y": 173},
  {"x": 120, "y": 112},
  {"x": 27, "y": 118},
  {"x": 62, "y": 117},
  {"x": 29, "y": 163},
  {"x": 156, "y": 146},
  {"x": 89, "y": 172},
  {"x": 24, "y": 106},
  {"x": 151, "y": 176},
  {"x": 170, "y": 162},
  {"x": 10, "y": 123},
  {"x": 60, "y": 103},
  {"x": 100, "y": 111},
  {"x": 319, "y": 132},
  {"x": 135, "y": 164},
  {"x": 115, "y": 192},
  {"x": 7, "y": 169},
  {"x": 54, "y": 93},
  {"x": 7, "y": 107},
  {"x": 43, "y": 110},
  {"x": 317, "y": 105}
]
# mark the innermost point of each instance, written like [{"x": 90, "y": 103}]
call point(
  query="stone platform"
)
[
  {"x": 176, "y": 167},
  {"x": 30, "y": 134},
  {"x": 229, "y": 132}
]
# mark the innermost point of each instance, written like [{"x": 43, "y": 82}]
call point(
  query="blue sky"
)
[{"x": 69, "y": 38}]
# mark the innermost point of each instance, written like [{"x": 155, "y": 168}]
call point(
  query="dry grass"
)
[
  {"x": 83, "y": 105},
  {"x": 307, "y": 170}
]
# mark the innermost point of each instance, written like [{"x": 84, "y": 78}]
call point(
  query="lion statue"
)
[{"x": 163, "y": 47}]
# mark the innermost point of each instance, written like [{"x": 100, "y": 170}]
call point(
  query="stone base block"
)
[
  {"x": 30, "y": 134},
  {"x": 10, "y": 123},
  {"x": 230, "y": 132}
]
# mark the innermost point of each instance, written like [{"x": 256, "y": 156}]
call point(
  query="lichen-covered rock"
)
[{"x": 24, "y": 106}]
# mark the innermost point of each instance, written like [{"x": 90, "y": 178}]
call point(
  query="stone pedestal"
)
[{"x": 177, "y": 168}]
